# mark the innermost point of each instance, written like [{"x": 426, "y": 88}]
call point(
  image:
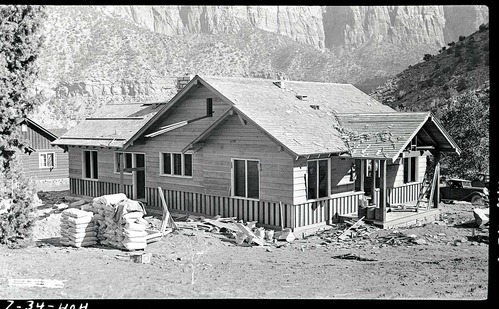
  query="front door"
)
[{"x": 139, "y": 176}]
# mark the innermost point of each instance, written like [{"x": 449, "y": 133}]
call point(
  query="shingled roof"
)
[
  {"x": 110, "y": 126},
  {"x": 298, "y": 115},
  {"x": 386, "y": 135}
]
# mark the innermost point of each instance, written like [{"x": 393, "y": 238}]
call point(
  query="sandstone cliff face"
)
[{"x": 321, "y": 27}]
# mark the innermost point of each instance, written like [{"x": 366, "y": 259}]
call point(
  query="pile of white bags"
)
[
  {"x": 120, "y": 222},
  {"x": 78, "y": 228}
]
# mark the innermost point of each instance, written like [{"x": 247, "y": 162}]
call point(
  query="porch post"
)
[
  {"x": 373, "y": 181},
  {"x": 382, "y": 190},
  {"x": 436, "y": 193},
  {"x": 362, "y": 174},
  {"x": 122, "y": 185}
]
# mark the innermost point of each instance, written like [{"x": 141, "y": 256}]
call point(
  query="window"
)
[
  {"x": 209, "y": 107},
  {"x": 46, "y": 160},
  {"x": 317, "y": 179},
  {"x": 90, "y": 166},
  {"x": 127, "y": 161},
  {"x": 176, "y": 164},
  {"x": 410, "y": 169},
  {"x": 246, "y": 178}
]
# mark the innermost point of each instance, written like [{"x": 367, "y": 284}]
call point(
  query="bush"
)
[
  {"x": 483, "y": 27},
  {"x": 446, "y": 70},
  {"x": 461, "y": 85},
  {"x": 461, "y": 38},
  {"x": 17, "y": 191},
  {"x": 427, "y": 57},
  {"x": 451, "y": 44}
]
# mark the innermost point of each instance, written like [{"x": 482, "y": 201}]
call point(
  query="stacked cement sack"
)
[
  {"x": 78, "y": 228},
  {"x": 120, "y": 223}
]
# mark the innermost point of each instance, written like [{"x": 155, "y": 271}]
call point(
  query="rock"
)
[
  {"x": 481, "y": 216},
  {"x": 420, "y": 241},
  {"x": 412, "y": 236}
]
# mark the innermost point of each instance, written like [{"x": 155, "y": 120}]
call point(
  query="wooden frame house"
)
[
  {"x": 42, "y": 160},
  {"x": 283, "y": 153}
]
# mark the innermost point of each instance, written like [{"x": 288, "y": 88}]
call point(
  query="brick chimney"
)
[{"x": 183, "y": 80}]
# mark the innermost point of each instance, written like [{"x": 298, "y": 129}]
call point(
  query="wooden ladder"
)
[{"x": 428, "y": 188}]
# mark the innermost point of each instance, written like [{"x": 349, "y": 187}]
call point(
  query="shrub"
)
[
  {"x": 446, "y": 70},
  {"x": 483, "y": 27},
  {"x": 461, "y": 38},
  {"x": 17, "y": 191},
  {"x": 445, "y": 87},
  {"x": 451, "y": 44},
  {"x": 437, "y": 66},
  {"x": 461, "y": 85},
  {"x": 450, "y": 51},
  {"x": 427, "y": 57}
]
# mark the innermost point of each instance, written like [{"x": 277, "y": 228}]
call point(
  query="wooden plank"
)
[{"x": 167, "y": 219}]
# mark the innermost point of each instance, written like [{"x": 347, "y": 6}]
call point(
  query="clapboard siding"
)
[
  {"x": 233, "y": 140},
  {"x": 37, "y": 140},
  {"x": 31, "y": 166}
]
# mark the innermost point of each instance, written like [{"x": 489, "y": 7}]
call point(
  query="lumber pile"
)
[{"x": 78, "y": 228}]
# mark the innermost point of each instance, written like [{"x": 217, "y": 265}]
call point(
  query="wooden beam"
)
[
  {"x": 243, "y": 122},
  {"x": 362, "y": 174},
  {"x": 122, "y": 181},
  {"x": 382, "y": 190},
  {"x": 373, "y": 181}
]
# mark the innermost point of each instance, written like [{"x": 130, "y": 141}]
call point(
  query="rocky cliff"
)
[{"x": 322, "y": 27}]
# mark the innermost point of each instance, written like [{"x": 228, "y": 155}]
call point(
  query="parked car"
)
[
  {"x": 462, "y": 190},
  {"x": 482, "y": 180}
]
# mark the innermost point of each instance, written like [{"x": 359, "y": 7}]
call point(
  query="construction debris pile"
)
[
  {"x": 120, "y": 222},
  {"x": 359, "y": 233},
  {"x": 243, "y": 233},
  {"x": 78, "y": 228}
]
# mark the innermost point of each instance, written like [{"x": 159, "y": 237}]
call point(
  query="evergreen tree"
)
[{"x": 20, "y": 40}]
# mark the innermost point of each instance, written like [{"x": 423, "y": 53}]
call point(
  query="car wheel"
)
[{"x": 477, "y": 200}]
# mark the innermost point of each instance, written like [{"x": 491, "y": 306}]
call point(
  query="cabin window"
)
[
  {"x": 317, "y": 179},
  {"x": 246, "y": 178},
  {"x": 90, "y": 166},
  {"x": 127, "y": 161},
  {"x": 410, "y": 169},
  {"x": 176, "y": 164},
  {"x": 209, "y": 107},
  {"x": 46, "y": 160}
]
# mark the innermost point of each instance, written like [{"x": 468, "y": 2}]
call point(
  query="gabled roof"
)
[
  {"x": 48, "y": 134},
  {"x": 110, "y": 126},
  {"x": 279, "y": 112},
  {"x": 303, "y": 127},
  {"x": 386, "y": 135}
]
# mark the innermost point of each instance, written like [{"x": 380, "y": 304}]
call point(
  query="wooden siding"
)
[
  {"x": 233, "y": 140},
  {"x": 41, "y": 144},
  {"x": 31, "y": 167},
  {"x": 36, "y": 140}
]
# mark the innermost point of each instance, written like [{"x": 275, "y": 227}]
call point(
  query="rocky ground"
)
[{"x": 445, "y": 260}]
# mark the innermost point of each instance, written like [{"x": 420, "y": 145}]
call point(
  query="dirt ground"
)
[{"x": 450, "y": 263}]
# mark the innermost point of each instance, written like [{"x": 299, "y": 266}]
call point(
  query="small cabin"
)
[
  {"x": 284, "y": 153},
  {"x": 47, "y": 164}
]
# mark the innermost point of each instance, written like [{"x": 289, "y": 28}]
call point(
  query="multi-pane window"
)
[
  {"x": 410, "y": 169},
  {"x": 246, "y": 178},
  {"x": 90, "y": 166},
  {"x": 46, "y": 160},
  {"x": 176, "y": 164},
  {"x": 127, "y": 161},
  {"x": 317, "y": 179}
]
